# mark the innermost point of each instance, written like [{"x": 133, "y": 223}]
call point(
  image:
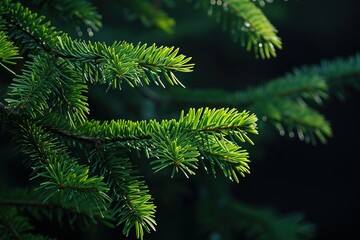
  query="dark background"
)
[{"x": 288, "y": 175}]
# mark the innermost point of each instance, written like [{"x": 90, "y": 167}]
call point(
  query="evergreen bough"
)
[{"x": 82, "y": 169}]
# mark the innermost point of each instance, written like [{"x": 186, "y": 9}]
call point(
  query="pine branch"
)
[
  {"x": 286, "y": 101},
  {"x": 97, "y": 62},
  {"x": 123, "y": 62},
  {"x": 289, "y": 116},
  {"x": 338, "y": 73},
  {"x": 60, "y": 174},
  {"x": 243, "y": 17},
  {"x": 133, "y": 205},
  {"x": 296, "y": 87},
  {"x": 173, "y": 143},
  {"x": 170, "y": 143}
]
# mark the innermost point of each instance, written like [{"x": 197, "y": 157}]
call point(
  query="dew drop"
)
[
  {"x": 246, "y": 24},
  {"x": 282, "y": 132},
  {"x": 90, "y": 32},
  {"x": 301, "y": 135}
]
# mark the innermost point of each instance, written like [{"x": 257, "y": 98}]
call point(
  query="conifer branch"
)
[
  {"x": 169, "y": 143},
  {"x": 133, "y": 205},
  {"x": 178, "y": 143},
  {"x": 27, "y": 28},
  {"x": 97, "y": 62},
  {"x": 123, "y": 62},
  {"x": 241, "y": 18},
  {"x": 60, "y": 173},
  {"x": 285, "y": 101}
]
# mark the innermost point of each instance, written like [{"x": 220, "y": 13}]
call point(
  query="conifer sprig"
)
[
  {"x": 246, "y": 21},
  {"x": 123, "y": 62},
  {"x": 59, "y": 173},
  {"x": 177, "y": 144},
  {"x": 133, "y": 206}
]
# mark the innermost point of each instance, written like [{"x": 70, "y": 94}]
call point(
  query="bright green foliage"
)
[
  {"x": 246, "y": 21},
  {"x": 179, "y": 144},
  {"x": 8, "y": 52},
  {"x": 27, "y": 29},
  {"x": 133, "y": 205},
  {"x": 123, "y": 62},
  {"x": 47, "y": 107},
  {"x": 59, "y": 173}
]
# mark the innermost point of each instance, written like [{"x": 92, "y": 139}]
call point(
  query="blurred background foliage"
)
[{"x": 291, "y": 181}]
